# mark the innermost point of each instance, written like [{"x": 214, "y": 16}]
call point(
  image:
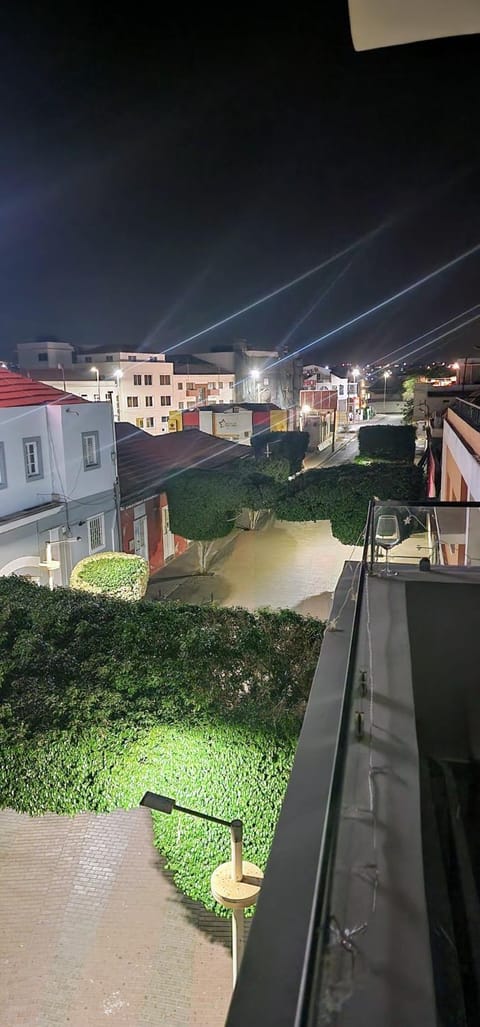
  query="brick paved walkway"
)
[{"x": 92, "y": 930}]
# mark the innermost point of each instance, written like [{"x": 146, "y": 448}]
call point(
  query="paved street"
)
[{"x": 94, "y": 932}]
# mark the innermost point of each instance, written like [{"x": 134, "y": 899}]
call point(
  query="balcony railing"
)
[{"x": 467, "y": 411}]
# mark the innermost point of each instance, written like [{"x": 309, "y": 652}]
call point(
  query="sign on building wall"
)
[{"x": 235, "y": 426}]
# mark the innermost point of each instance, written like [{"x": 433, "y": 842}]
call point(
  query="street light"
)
[
  {"x": 386, "y": 374},
  {"x": 118, "y": 374},
  {"x": 256, "y": 384},
  {"x": 236, "y": 884},
  {"x": 95, "y": 370},
  {"x": 304, "y": 412},
  {"x": 355, "y": 374}
]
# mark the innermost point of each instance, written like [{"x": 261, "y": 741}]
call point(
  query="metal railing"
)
[{"x": 467, "y": 411}]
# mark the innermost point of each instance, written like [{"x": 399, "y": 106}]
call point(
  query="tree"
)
[
  {"x": 118, "y": 575},
  {"x": 387, "y": 442},
  {"x": 283, "y": 445},
  {"x": 408, "y": 391},
  {"x": 258, "y": 494},
  {"x": 203, "y": 506},
  {"x": 342, "y": 494}
]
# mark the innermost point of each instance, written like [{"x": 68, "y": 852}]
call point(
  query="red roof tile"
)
[
  {"x": 18, "y": 391},
  {"x": 145, "y": 461}
]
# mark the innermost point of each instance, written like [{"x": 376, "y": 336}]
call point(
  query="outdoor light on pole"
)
[
  {"x": 304, "y": 412},
  {"x": 386, "y": 374},
  {"x": 118, "y": 374},
  {"x": 95, "y": 370},
  {"x": 236, "y": 884},
  {"x": 256, "y": 384},
  {"x": 355, "y": 374}
]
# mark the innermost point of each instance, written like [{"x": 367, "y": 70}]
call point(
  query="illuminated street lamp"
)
[
  {"x": 386, "y": 374},
  {"x": 95, "y": 370},
  {"x": 118, "y": 374},
  {"x": 236, "y": 884},
  {"x": 255, "y": 375},
  {"x": 304, "y": 412},
  {"x": 355, "y": 374}
]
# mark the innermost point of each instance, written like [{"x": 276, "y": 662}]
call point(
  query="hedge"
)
[
  {"x": 117, "y": 575},
  {"x": 388, "y": 442},
  {"x": 102, "y": 700},
  {"x": 282, "y": 445},
  {"x": 341, "y": 495}
]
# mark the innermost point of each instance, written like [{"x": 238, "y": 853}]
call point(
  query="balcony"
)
[
  {"x": 467, "y": 411},
  {"x": 370, "y": 907}
]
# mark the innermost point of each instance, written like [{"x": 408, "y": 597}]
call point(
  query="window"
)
[
  {"x": 139, "y": 422},
  {"x": 220, "y": 385},
  {"x": 91, "y": 449},
  {"x": 131, "y": 356},
  {"x": 147, "y": 379},
  {"x": 180, "y": 385},
  {"x": 191, "y": 386},
  {"x": 88, "y": 360},
  {"x": 137, "y": 379},
  {"x": 165, "y": 401},
  {"x": 164, "y": 379},
  {"x": 43, "y": 356},
  {"x": 148, "y": 400},
  {"x": 132, "y": 401},
  {"x": 150, "y": 422},
  {"x": 181, "y": 406},
  {"x": 265, "y": 381},
  {"x": 3, "y": 467},
  {"x": 165, "y": 419},
  {"x": 32, "y": 452},
  {"x": 109, "y": 357},
  {"x": 96, "y": 533},
  {"x": 211, "y": 385},
  {"x": 153, "y": 360}
]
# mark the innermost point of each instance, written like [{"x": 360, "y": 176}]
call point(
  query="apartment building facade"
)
[
  {"x": 143, "y": 388},
  {"x": 58, "y": 492}
]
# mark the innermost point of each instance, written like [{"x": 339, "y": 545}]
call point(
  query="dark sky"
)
[{"x": 158, "y": 175}]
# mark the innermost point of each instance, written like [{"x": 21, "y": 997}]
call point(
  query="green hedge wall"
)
[
  {"x": 342, "y": 494},
  {"x": 102, "y": 700},
  {"x": 388, "y": 442}
]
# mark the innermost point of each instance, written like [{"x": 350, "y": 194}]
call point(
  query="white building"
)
[
  {"x": 143, "y": 388},
  {"x": 316, "y": 377},
  {"x": 58, "y": 479}
]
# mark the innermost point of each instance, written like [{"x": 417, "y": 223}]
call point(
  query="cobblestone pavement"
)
[{"x": 93, "y": 931}]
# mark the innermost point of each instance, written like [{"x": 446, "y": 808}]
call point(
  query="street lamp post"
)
[
  {"x": 355, "y": 374},
  {"x": 235, "y": 884},
  {"x": 386, "y": 375},
  {"x": 304, "y": 412},
  {"x": 95, "y": 370},
  {"x": 118, "y": 374},
  {"x": 256, "y": 386}
]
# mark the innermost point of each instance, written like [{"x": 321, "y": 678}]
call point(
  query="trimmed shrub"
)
[
  {"x": 388, "y": 442},
  {"x": 282, "y": 445},
  {"x": 102, "y": 700},
  {"x": 117, "y": 575},
  {"x": 342, "y": 494}
]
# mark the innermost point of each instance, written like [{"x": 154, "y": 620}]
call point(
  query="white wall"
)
[
  {"x": 59, "y": 429},
  {"x": 16, "y": 424}
]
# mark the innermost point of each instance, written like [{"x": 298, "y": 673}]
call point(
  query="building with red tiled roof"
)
[
  {"x": 145, "y": 463},
  {"x": 16, "y": 390},
  {"x": 57, "y": 480}
]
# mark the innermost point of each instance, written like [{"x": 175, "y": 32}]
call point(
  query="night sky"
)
[{"x": 158, "y": 175}]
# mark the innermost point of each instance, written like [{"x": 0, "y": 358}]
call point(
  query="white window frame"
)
[
  {"x": 86, "y": 437},
  {"x": 149, "y": 401},
  {"x": 3, "y": 467},
  {"x": 100, "y": 518},
  {"x": 151, "y": 424},
  {"x": 147, "y": 379},
  {"x": 36, "y": 442},
  {"x": 132, "y": 402},
  {"x": 137, "y": 379}
]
